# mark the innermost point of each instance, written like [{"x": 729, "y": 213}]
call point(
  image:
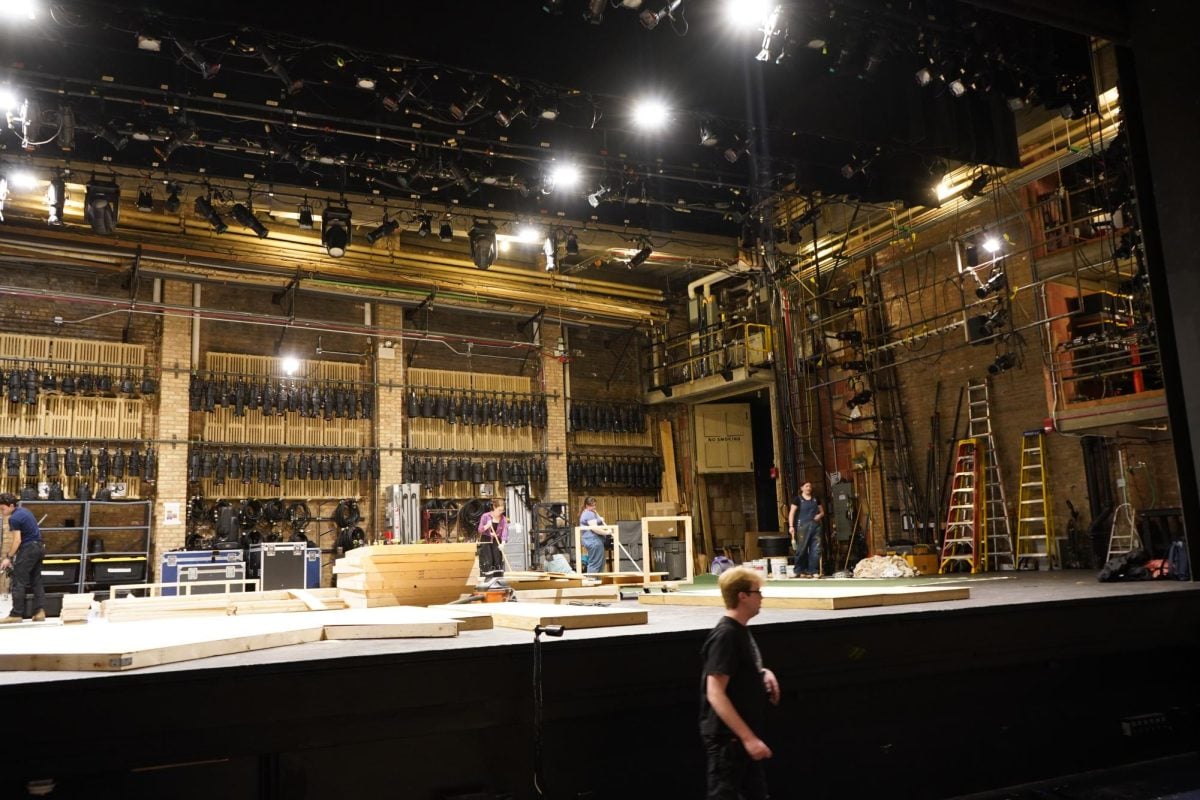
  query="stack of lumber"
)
[
  {"x": 404, "y": 574},
  {"x": 127, "y": 609},
  {"x": 75, "y": 608}
]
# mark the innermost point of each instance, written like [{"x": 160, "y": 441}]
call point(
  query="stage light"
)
[
  {"x": 204, "y": 208},
  {"x": 445, "y": 231},
  {"x": 335, "y": 230},
  {"x": 189, "y": 51},
  {"x": 482, "y": 239},
  {"x": 505, "y": 117},
  {"x": 650, "y": 114},
  {"x": 549, "y": 109},
  {"x": 992, "y": 244},
  {"x": 595, "y": 197},
  {"x": 860, "y": 399},
  {"x": 150, "y": 43},
  {"x": 565, "y": 176},
  {"x": 101, "y": 206},
  {"x": 639, "y": 258},
  {"x": 748, "y": 13},
  {"x": 994, "y": 283},
  {"x": 271, "y": 59},
  {"x": 56, "y": 198},
  {"x": 459, "y": 109},
  {"x": 246, "y": 219},
  {"x": 572, "y": 244},
  {"x": 1003, "y": 363},
  {"x": 291, "y": 365},
  {"x": 304, "y": 219},
  {"x": 9, "y": 102},
  {"x": 595, "y": 11},
  {"x": 708, "y": 136},
  {"x": 975, "y": 187},
  {"x": 651, "y": 19},
  {"x": 854, "y": 366},
  {"x": 550, "y": 251},
  {"x": 424, "y": 225},
  {"x": 851, "y": 337},
  {"x": 3, "y": 194},
  {"x": 385, "y": 228},
  {"x": 22, "y": 179},
  {"x": 111, "y": 135},
  {"x": 145, "y": 201},
  {"x": 850, "y": 301},
  {"x": 924, "y": 76},
  {"x": 171, "y": 204},
  {"x": 19, "y": 9},
  {"x": 554, "y": 7},
  {"x": 528, "y": 234}
]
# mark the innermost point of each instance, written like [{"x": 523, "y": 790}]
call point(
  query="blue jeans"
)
[
  {"x": 594, "y": 544},
  {"x": 808, "y": 547}
]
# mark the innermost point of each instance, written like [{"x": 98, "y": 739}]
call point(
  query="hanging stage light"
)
[
  {"x": 851, "y": 337},
  {"x": 335, "y": 230},
  {"x": 101, "y": 205},
  {"x": 975, "y": 187},
  {"x": 995, "y": 282},
  {"x": 197, "y": 59},
  {"x": 572, "y": 243},
  {"x": 171, "y": 204},
  {"x": 145, "y": 201},
  {"x": 860, "y": 399},
  {"x": 1003, "y": 363},
  {"x": 550, "y": 251},
  {"x": 204, "y": 208},
  {"x": 56, "y": 198},
  {"x": 639, "y": 258},
  {"x": 388, "y": 226},
  {"x": 482, "y": 238},
  {"x": 595, "y": 11},
  {"x": 305, "y": 218},
  {"x": 445, "y": 231},
  {"x": 651, "y": 19},
  {"x": 246, "y": 219},
  {"x": 505, "y": 117},
  {"x": 424, "y": 225},
  {"x": 3, "y": 194}
]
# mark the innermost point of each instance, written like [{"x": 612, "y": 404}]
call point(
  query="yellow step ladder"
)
[
  {"x": 966, "y": 518},
  {"x": 1035, "y": 518}
]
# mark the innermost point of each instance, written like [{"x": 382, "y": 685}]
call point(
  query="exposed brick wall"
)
[
  {"x": 172, "y": 422},
  {"x": 553, "y": 378}
]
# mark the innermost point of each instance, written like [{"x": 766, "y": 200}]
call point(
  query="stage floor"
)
[{"x": 985, "y": 591}]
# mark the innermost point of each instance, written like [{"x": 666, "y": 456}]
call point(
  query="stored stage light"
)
[
  {"x": 994, "y": 283},
  {"x": 204, "y": 208},
  {"x": 56, "y": 198},
  {"x": 145, "y": 201},
  {"x": 595, "y": 11},
  {"x": 246, "y": 219},
  {"x": 305, "y": 217},
  {"x": 482, "y": 239},
  {"x": 650, "y": 114},
  {"x": 171, "y": 204},
  {"x": 640, "y": 257},
  {"x": 387, "y": 227},
  {"x": 101, "y": 206},
  {"x": 445, "y": 231},
  {"x": 335, "y": 230},
  {"x": 1003, "y": 363}
]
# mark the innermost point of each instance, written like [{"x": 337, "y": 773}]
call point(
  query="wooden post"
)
[{"x": 670, "y": 488}]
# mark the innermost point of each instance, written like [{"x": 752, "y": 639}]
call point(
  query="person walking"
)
[
  {"x": 23, "y": 553},
  {"x": 804, "y": 521},
  {"x": 593, "y": 538},
  {"x": 734, "y": 691}
]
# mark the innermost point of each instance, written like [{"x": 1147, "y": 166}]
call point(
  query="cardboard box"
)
[{"x": 662, "y": 509}]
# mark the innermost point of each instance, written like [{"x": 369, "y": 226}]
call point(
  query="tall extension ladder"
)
[
  {"x": 966, "y": 520},
  {"x": 1123, "y": 536},
  {"x": 1035, "y": 518},
  {"x": 997, "y": 546}
]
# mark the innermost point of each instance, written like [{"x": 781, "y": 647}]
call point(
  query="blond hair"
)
[{"x": 735, "y": 580}]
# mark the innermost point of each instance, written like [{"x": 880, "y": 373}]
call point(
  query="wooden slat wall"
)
[
  {"x": 608, "y": 439},
  {"x": 76, "y": 351},
  {"x": 269, "y": 367},
  {"x": 435, "y": 434},
  {"x": 73, "y": 417}
]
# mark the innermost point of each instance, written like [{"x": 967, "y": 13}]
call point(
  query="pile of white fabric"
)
[{"x": 884, "y": 567}]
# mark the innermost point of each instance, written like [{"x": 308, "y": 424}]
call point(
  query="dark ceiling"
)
[{"x": 252, "y": 91}]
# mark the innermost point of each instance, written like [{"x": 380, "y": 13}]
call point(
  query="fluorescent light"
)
[{"x": 651, "y": 113}]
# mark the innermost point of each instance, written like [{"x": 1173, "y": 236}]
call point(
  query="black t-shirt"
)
[
  {"x": 805, "y": 509},
  {"x": 730, "y": 650}
]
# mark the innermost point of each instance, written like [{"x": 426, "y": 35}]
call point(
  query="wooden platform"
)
[
  {"x": 404, "y": 574},
  {"x": 820, "y": 596},
  {"x": 527, "y": 616}
]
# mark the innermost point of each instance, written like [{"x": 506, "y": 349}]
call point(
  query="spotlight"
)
[
  {"x": 171, "y": 204},
  {"x": 56, "y": 197},
  {"x": 549, "y": 109},
  {"x": 387, "y": 227},
  {"x": 851, "y": 337},
  {"x": 651, "y": 19},
  {"x": 924, "y": 76},
  {"x": 564, "y": 176},
  {"x": 550, "y": 251},
  {"x": 271, "y": 59},
  {"x": 246, "y": 219},
  {"x": 1003, "y": 363},
  {"x": 992, "y": 244},
  {"x": 736, "y": 150},
  {"x": 145, "y": 201},
  {"x": 650, "y": 113},
  {"x": 445, "y": 231},
  {"x": 860, "y": 399},
  {"x": 726, "y": 374},
  {"x": 335, "y": 230},
  {"x": 291, "y": 365},
  {"x": 595, "y": 197},
  {"x": 101, "y": 205},
  {"x": 19, "y": 9},
  {"x": 595, "y": 11},
  {"x": 975, "y": 187},
  {"x": 505, "y": 117},
  {"x": 748, "y": 13},
  {"x": 993, "y": 322},
  {"x": 150, "y": 43},
  {"x": 850, "y": 301},
  {"x": 3, "y": 194},
  {"x": 957, "y": 87},
  {"x": 459, "y": 109},
  {"x": 639, "y": 258},
  {"x": 197, "y": 59},
  {"x": 554, "y": 7},
  {"x": 708, "y": 136},
  {"x": 572, "y": 244},
  {"x": 111, "y": 135},
  {"x": 424, "y": 225},
  {"x": 482, "y": 238},
  {"x": 204, "y": 208},
  {"x": 305, "y": 218},
  {"x": 528, "y": 234},
  {"x": 854, "y": 366},
  {"x": 995, "y": 282}
]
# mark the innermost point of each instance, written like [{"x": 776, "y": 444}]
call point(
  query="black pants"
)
[
  {"x": 26, "y": 574},
  {"x": 732, "y": 774},
  {"x": 490, "y": 559}
]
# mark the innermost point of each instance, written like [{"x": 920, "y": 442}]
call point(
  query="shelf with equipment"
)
[{"x": 62, "y": 523}]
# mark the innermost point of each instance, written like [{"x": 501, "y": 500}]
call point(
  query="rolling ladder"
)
[
  {"x": 1035, "y": 522},
  {"x": 997, "y": 545},
  {"x": 966, "y": 520}
]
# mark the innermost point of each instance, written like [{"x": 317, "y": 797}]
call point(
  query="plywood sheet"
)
[
  {"x": 527, "y": 616},
  {"x": 397, "y": 622},
  {"x": 820, "y": 597}
]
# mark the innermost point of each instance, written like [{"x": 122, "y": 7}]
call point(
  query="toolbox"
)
[{"x": 118, "y": 569}]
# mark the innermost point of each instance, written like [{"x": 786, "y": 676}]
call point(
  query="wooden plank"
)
[
  {"x": 527, "y": 616},
  {"x": 825, "y": 598},
  {"x": 313, "y": 602},
  {"x": 669, "y": 492},
  {"x": 396, "y": 622},
  {"x": 567, "y": 594}
]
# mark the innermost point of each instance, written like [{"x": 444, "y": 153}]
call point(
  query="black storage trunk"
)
[
  {"x": 118, "y": 569},
  {"x": 60, "y": 571}
]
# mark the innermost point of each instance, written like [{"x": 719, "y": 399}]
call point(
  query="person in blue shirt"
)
[
  {"x": 593, "y": 539},
  {"x": 23, "y": 553},
  {"x": 804, "y": 520}
]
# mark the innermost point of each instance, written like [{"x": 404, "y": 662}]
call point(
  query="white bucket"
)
[
  {"x": 779, "y": 568},
  {"x": 759, "y": 565}
]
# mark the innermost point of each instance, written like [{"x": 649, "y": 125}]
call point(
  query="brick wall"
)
[{"x": 172, "y": 423}]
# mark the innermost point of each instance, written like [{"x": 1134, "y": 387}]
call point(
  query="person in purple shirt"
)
[{"x": 493, "y": 529}]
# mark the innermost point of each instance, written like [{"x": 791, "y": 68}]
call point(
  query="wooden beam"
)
[{"x": 670, "y": 486}]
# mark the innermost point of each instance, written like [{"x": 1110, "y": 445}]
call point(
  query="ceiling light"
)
[
  {"x": 101, "y": 205},
  {"x": 204, "y": 208},
  {"x": 335, "y": 230},
  {"x": 387, "y": 227},
  {"x": 639, "y": 258},
  {"x": 305, "y": 216},
  {"x": 650, "y": 113},
  {"x": 171, "y": 204},
  {"x": 150, "y": 43},
  {"x": 565, "y": 176},
  {"x": 482, "y": 238},
  {"x": 246, "y": 219},
  {"x": 445, "y": 231},
  {"x": 595, "y": 11},
  {"x": 572, "y": 244},
  {"x": 56, "y": 197},
  {"x": 145, "y": 201}
]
